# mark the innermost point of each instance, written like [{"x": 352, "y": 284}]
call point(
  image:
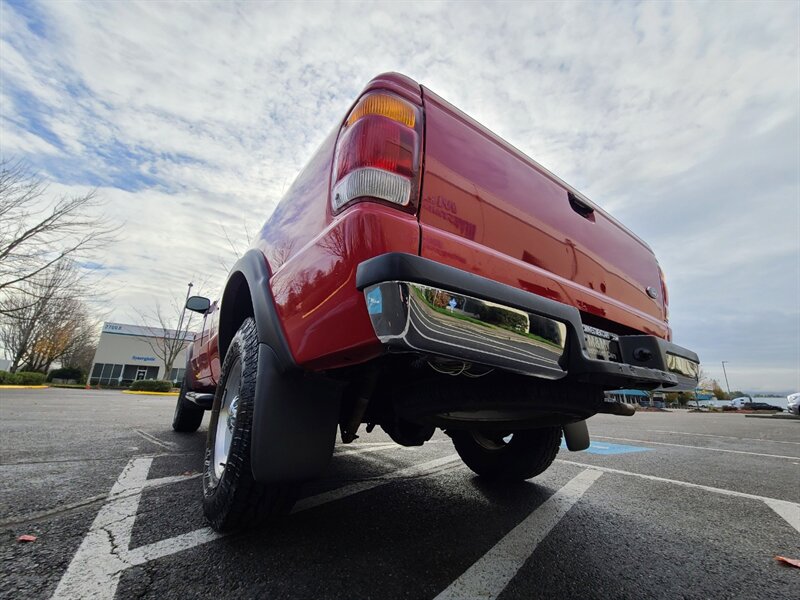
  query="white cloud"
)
[{"x": 679, "y": 118}]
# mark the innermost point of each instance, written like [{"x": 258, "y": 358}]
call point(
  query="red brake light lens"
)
[
  {"x": 378, "y": 153},
  {"x": 376, "y": 141}
]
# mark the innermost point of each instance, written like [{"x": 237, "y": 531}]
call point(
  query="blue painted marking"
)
[
  {"x": 375, "y": 302},
  {"x": 606, "y": 448}
]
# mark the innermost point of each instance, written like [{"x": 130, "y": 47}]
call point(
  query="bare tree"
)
[
  {"x": 37, "y": 232},
  {"x": 172, "y": 334},
  {"x": 45, "y": 319},
  {"x": 66, "y": 326}
]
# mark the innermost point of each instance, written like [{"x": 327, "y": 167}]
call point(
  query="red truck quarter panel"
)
[{"x": 324, "y": 316}]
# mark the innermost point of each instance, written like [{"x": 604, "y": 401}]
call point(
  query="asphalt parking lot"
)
[{"x": 664, "y": 505}]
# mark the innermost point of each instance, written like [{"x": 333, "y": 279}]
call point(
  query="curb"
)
[
  {"x": 777, "y": 416},
  {"x": 24, "y": 387},
  {"x": 151, "y": 393}
]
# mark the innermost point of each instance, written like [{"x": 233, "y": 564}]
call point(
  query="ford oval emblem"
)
[{"x": 651, "y": 291}]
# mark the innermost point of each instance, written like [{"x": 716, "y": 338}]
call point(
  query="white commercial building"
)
[{"x": 126, "y": 353}]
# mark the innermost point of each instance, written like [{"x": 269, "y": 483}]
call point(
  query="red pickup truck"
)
[{"x": 420, "y": 273}]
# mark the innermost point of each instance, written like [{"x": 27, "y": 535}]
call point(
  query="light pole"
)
[
  {"x": 183, "y": 312},
  {"x": 726, "y": 377}
]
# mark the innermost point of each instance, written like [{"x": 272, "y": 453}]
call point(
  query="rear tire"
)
[
  {"x": 188, "y": 416},
  {"x": 232, "y": 499},
  {"x": 494, "y": 455}
]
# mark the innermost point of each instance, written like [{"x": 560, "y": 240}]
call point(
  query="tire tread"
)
[
  {"x": 237, "y": 500},
  {"x": 528, "y": 454}
]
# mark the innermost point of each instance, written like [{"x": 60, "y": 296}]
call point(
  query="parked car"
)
[
  {"x": 740, "y": 401},
  {"x": 793, "y": 403},
  {"x": 420, "y": 273},
  {"x": 760, "y": 406}
]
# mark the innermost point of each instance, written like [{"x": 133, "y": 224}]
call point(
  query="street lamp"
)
[
  {"x": 726, "y": 377},
  {"x": 183, "y": 312}
]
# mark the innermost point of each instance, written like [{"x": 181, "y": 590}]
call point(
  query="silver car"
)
[{"x": 793, "y": 403}]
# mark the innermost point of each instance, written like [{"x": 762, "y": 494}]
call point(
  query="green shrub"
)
[
  {"x": 31, "y": 378},
  {"x": 66, "y": 373},
  {"x": 23, "y": 378},
  {"x": 151, "y": 385},
  {"x": 7, "y": 378}
]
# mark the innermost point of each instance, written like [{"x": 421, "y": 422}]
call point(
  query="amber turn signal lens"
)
[{"x": 387, "y": 106}]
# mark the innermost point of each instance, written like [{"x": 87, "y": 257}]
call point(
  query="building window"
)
[
  {"x": 106, "y": 374},
  {"x": 176, "y": 375}
]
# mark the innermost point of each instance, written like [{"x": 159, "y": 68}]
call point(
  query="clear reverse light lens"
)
[{"x": 374, "y": 183}]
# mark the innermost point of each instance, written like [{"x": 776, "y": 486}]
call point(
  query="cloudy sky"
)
[{"x": 192, "y": 118}]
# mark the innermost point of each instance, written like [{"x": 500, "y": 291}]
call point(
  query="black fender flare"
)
[
  {"x": 296, "y": 413},
  {"x": 253, "y": 271}
]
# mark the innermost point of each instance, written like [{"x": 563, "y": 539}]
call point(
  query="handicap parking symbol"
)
[{"x": 607, "y": 448}]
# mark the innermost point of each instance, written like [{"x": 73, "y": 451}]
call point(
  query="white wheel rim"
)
[{"x": 226, "y": 421}]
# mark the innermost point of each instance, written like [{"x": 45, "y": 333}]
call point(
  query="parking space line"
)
[
  {"x": 154, "y": 440},
  {"x": 173, "y": 545},
  {"x": 104, "y": 553},
  {"x": 729, "y": 437},
  {"x": 425, "y": 468},
  {"x": 607, "y": 437},
  {"x": 186, "y": 541},
  {"x": 371, "y": 448},
  {"x": 489, "y": 576},
  {"x": 790, "y": 511},
  {"x": 161, "y": 481},
  {"x": 97, "y": 566}
]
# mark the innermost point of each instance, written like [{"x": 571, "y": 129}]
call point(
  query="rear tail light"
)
[{"x": 378, "y": 153}]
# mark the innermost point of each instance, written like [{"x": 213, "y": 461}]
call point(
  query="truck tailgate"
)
[{"x": 489, "y": 209}]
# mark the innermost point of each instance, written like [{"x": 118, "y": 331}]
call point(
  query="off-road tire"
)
[
  {"x": 527, "y": 454},
  {"x": 188, "y": 416},
  {"x": 234, "y": 499}
]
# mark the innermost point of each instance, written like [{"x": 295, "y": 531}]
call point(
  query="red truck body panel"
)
[
  {"x": 205, "y": 359},
  {"x": 489, "y": 209},
  {"x": 324, "y": 316}
]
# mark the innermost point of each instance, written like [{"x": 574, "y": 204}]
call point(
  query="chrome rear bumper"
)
[
  {"x": 420, "y": 318},
  {"x": 418, "y": 305}
]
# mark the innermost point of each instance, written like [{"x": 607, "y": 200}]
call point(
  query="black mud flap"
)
[{"x": 294, "y": 422}]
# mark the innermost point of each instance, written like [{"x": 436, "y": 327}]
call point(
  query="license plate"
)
[{"x": 601, "y": 345}]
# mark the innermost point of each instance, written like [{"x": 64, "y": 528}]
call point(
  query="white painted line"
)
[
  {"x": 351, "y": 451},
  {"x": 186, "y": 541},
  {"x": 729, "y": 437},
  {"x": 154, "y": 440},
  {"x": 359, "y": 444},
  {"x": 619, "y": 439},
  {"x": 425, "y": 468},
  {"x": 173, "y": 545},
  {"x": 788, "y": 510},
  {"x": 782, "y": 507},
  {"x": 98, "y": 564},
  {"x": 151, "y": 483},
  {"x": 487, "y": 578},
  {"x": 104, "y": 553}
]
